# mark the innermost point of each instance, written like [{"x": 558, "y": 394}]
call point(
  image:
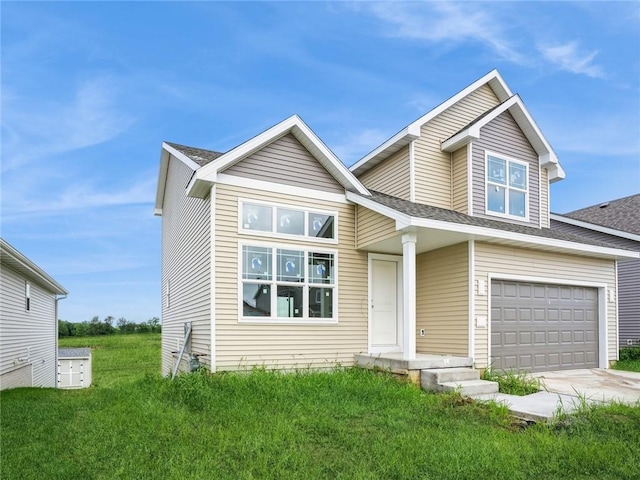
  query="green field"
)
[{"x": 348, "y": 424}]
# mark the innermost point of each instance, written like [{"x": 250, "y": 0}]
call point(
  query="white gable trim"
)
[
  {"x": 15, "y": 260},
  {"x": 412, "y": 131},
  {"x": 597, "y": 228},
  {"x": 515, "y": 106},
  {"x": 303, "y": 134},
  {"x": 166, "y": 152}
]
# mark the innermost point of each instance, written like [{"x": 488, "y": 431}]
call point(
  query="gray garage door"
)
[{"x": 537, "y": 327}]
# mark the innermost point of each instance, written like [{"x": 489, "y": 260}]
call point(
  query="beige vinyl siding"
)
[
  {"x": 393, "y": 176},
  {"x": 373, "y": 227},
  {"x": 288, "y": 162},
  {"x": 460, "y": 190},
  {"x": 503, "y": 136},
  {"x": 185, "y": 267},
  {"x": 32, "y": 336},
  {"x": 442, "y": 300},
  {"x": 628, "y": 280},
  {"x": 544, "y": 198},
  {"x": 287, "y": 346},
  {"x": 432, "y": 165},
  {"x": 497, "y": 260}
]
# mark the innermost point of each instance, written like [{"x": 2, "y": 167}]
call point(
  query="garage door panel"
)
[{"x": 538, "y": 327}]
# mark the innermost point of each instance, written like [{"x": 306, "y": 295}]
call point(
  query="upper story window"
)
[
  {"x": 27, "y": 296},
  {"x": 287, "y": 221},
  {"x": 507, "y": 187}
]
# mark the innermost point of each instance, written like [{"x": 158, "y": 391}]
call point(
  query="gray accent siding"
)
[
  {"x": 628, "y": 281},
  {"x": 185, "y": 267},
  {"x": 503, "y": 136},
  {"x": 29, "y": 340},
  {"x": 287, "y": 162}
]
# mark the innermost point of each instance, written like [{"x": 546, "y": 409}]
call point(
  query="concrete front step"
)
[
  {"x": 467, "y": 388},
  {"x": 430, "y": 379}
]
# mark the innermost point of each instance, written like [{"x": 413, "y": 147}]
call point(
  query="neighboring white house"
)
[{"x": 28, "y": 322}]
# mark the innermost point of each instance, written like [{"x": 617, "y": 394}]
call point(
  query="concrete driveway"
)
[{"x": 594, "y": 384}]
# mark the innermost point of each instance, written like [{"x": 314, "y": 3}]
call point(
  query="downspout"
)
[{"x": 55, "y": 362}]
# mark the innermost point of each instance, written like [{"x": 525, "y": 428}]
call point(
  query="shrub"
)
[{"x": 630, "y": 353}]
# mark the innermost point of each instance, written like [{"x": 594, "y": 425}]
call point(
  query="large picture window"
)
[
  {"x": 287, "y": 283},
  {"x": 258, "y": 218},
  {"x": 507, "y": 187}
]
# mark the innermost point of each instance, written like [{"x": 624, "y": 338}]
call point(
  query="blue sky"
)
[{"x": 90, "y": 90}]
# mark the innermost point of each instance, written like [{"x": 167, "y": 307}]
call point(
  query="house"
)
[
  {"x": 437, "y": 242},
  {"x": 616, "y": 222},
  {"x": 28, "y": 322}
]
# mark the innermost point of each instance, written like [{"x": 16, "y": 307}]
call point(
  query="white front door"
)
[{"x": 384, "y": 312}]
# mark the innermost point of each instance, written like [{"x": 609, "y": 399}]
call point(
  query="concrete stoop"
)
[{"x": 466, "y": 381}]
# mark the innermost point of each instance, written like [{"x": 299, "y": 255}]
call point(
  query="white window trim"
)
[
  {"x": 305, "y": 319},
  {"x": 527, "y": 191},
  {"x": 286, "y": 236}
]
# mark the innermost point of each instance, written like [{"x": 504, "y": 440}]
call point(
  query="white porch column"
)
[{"x": 409, "y": 296}]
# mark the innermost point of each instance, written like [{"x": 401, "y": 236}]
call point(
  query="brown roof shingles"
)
[{"x": 198, "y": 155}]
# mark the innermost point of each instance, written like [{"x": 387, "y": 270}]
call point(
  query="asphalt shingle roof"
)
[
  {"x": 74, "y": 352},
  {"x": 198, "y": 155},
  {"x": 442, "y": 214},
  {"x": 622, "y": 214}
]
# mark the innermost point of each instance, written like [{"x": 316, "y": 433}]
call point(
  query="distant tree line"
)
[{"x": 106, "y": 327}]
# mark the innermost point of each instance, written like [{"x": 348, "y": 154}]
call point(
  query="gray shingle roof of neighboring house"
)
[
  {"x": 198, "y": 155},
  {"x": 74, "y": 352},
  {"x": 622, "y": 214},
  {"x": 442, "y": 214}
]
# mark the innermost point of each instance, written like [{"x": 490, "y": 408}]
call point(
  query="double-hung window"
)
[
  {"x": 287, "y": 283},
  {"x": 507, "y": 187}
]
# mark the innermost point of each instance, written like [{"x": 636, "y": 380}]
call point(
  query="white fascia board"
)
[
  {"x": 520, "y": 237},
  {"x": 29, "y": 269},
  {"x": 461, "y": 139},
  {"x": 181, "y": 156},
  {"x": 199, "y": 187},
  {"x": 162, "y": 182},
  {"x": 401, "y": 219},
  {"x": 166, "y": 153},
  {"x": 494, "y": 80},
  {"x": 597, "y": 228},
  {"x": 399, "y": 140}
]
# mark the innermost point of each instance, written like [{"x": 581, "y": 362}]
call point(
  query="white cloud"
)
[
  {"x": 568, "y": 57},
  {"x": 36, "y": 130},
  {"x": 353, "y": 146},
  {"x": 439, "y": 22}
]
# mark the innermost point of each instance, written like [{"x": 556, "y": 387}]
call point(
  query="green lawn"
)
[{"x": 348, "y": 424}]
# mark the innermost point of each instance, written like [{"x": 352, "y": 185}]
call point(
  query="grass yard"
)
[
  {"x": 628, "y": 365},
  {"x": 349, "y": 424}
]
